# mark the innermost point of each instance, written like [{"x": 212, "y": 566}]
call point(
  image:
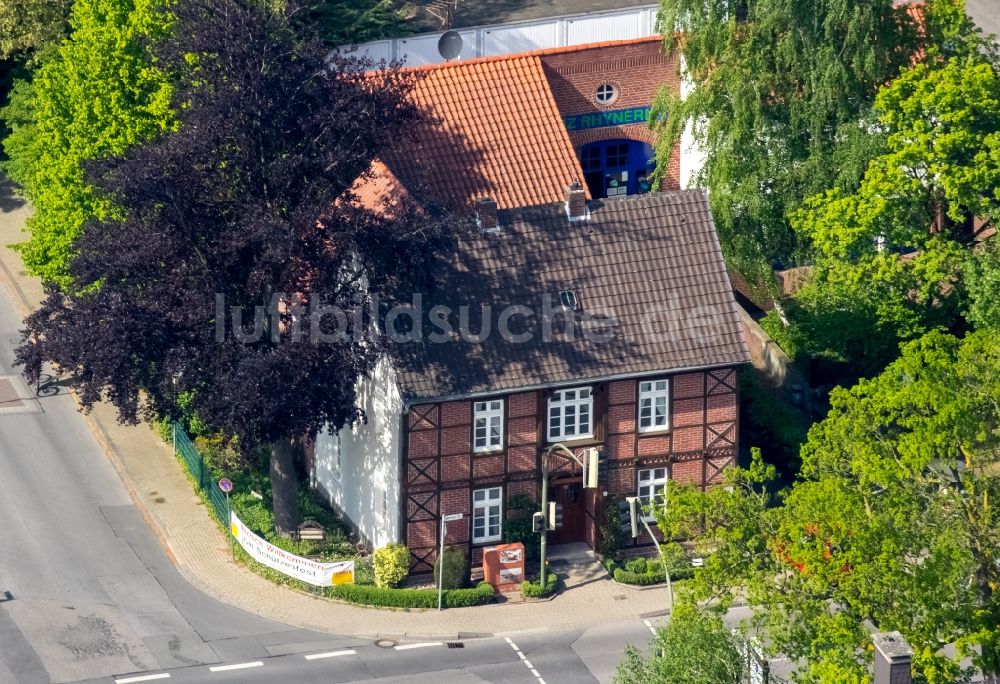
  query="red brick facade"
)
[
  {"x": 442, "y": 470},
  {"x": 637, "y": 70}
]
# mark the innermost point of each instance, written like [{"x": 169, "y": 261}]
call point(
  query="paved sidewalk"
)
[{"x": 157, "y": 483}]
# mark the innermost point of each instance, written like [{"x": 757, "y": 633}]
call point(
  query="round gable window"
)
[{"x": 606, "y": 93}]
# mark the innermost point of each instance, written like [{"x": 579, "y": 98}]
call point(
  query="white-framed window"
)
[
  {"x": 571, "y": 414},
  {"x": 487, "y": 510},
  {"x": 654, "y": 402},
  {"x": 606, "y": 93},
  {"x": 487, "y": 425},
  {"x": 336, "y": 464},
  {"x": 652, "y": 482}
]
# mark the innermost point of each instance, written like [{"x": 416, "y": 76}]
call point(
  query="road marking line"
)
[
  {"x": 525, "y": 660},
  {"x": 143, "y": 678},
  {"x": 331, "y": 654},
  {"x": 425, "y": 644},
  {"x": 650, "y": 625},
  {"x": 238, "y": 666}
]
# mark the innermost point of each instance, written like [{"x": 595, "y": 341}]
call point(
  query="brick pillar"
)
[{"x": 892, "y": 659}]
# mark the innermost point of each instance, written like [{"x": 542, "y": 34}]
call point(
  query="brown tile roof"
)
[
  {"x": 652, "y": 262},
  {"x": 492, "y": 129}
]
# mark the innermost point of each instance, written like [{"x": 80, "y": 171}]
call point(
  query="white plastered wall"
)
[{"x": 363, "y": 484}]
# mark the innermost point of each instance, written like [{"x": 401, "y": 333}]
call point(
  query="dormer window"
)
[{"x": 568, "y": 300}]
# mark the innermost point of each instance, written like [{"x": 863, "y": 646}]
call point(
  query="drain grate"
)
[
  {"x": 456, "y": 644},
  {"x": 619, "y": 597}
]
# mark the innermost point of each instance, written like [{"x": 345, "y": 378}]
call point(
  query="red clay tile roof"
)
[
  {"x": 378, "y": 189},
  {"x": 492, "y": 129}
]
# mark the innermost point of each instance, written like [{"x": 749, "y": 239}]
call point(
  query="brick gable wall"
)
[
  {"x": 442, "y": 470},
  {"x": 638, "y": 71}
]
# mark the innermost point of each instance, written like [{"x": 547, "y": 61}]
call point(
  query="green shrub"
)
[
  {"x": 641, "y": 579},
  {"x": 456, "y": 568},
  {"x": 391, "y": 565},
  {"x": 647, "y": 571},
  {"x": 386, "y": 597},
  {"x": 531, "y": 589},
  {"x": 611, "y": 533},
  {"x": 636, "y": 565}
]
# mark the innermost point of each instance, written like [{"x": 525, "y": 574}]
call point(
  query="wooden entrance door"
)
[{"x": 571, "y": 496}]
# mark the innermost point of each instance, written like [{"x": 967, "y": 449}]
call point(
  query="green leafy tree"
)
[
  {"x": 888, "y": 256},
  {"x": 28, "y": 26},
  {"x": 347, "y": 22},
  {"x": 780, "y": 96},
  {"x": 982, "y": 273},
  {"x": 244, "y": 212},
  {"x": 893, "y": 523},
  {"x": 100, "y": 94},
  {"x": 695, "y": 647}
]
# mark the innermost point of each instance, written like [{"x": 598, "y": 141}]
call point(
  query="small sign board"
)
[
  {"x": 452, "y": 517},
  {"x": 510, "y": 556},
  {"x": 226, "y": 485}
]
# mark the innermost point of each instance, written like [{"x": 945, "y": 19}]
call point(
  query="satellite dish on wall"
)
[{"x": 450, "y": 45}]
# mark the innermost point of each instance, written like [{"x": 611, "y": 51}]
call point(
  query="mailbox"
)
[{"x": 503, "y": 565}]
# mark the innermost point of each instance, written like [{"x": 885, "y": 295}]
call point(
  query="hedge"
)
[
  {"x": 384, "y": 597},
  {"x": 649, "y": 572},
  {"x": 531, "y": 589}
]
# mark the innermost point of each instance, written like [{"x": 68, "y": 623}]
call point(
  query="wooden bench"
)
[{"x": 310, "y": 530}]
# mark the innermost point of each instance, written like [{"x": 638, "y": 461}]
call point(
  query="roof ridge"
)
[{"x": 539, "y": 52}]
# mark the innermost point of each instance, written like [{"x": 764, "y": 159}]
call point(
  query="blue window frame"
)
[{"x": 617, "y": 167}]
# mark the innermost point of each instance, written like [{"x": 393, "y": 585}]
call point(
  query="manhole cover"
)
[{"x": 385, "y": 643}]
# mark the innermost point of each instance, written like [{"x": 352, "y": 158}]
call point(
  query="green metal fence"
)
[{"x": 185, "y": 448}]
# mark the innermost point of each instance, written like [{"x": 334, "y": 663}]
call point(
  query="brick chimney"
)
[
  {"x": 576, "y": 202},
  {"x": 486, "y": 214},
  {"x": 892, "y": 659}
]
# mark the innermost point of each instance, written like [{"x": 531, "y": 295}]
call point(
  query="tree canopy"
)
[
  {"x": 347, "y": 22},
  {"x": 779, "y": 95},
  {"x": 243, "y": 209},
  {"x": 889, "y": 256},
  {"x": 695, "y": 647},
  {"x": 98, "y": 95},
  {"x": 892, "y": 525},
  {"x": 27, "y": 26}
]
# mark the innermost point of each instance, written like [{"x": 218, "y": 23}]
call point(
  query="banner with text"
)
[{"x": 266, "y": 553}]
